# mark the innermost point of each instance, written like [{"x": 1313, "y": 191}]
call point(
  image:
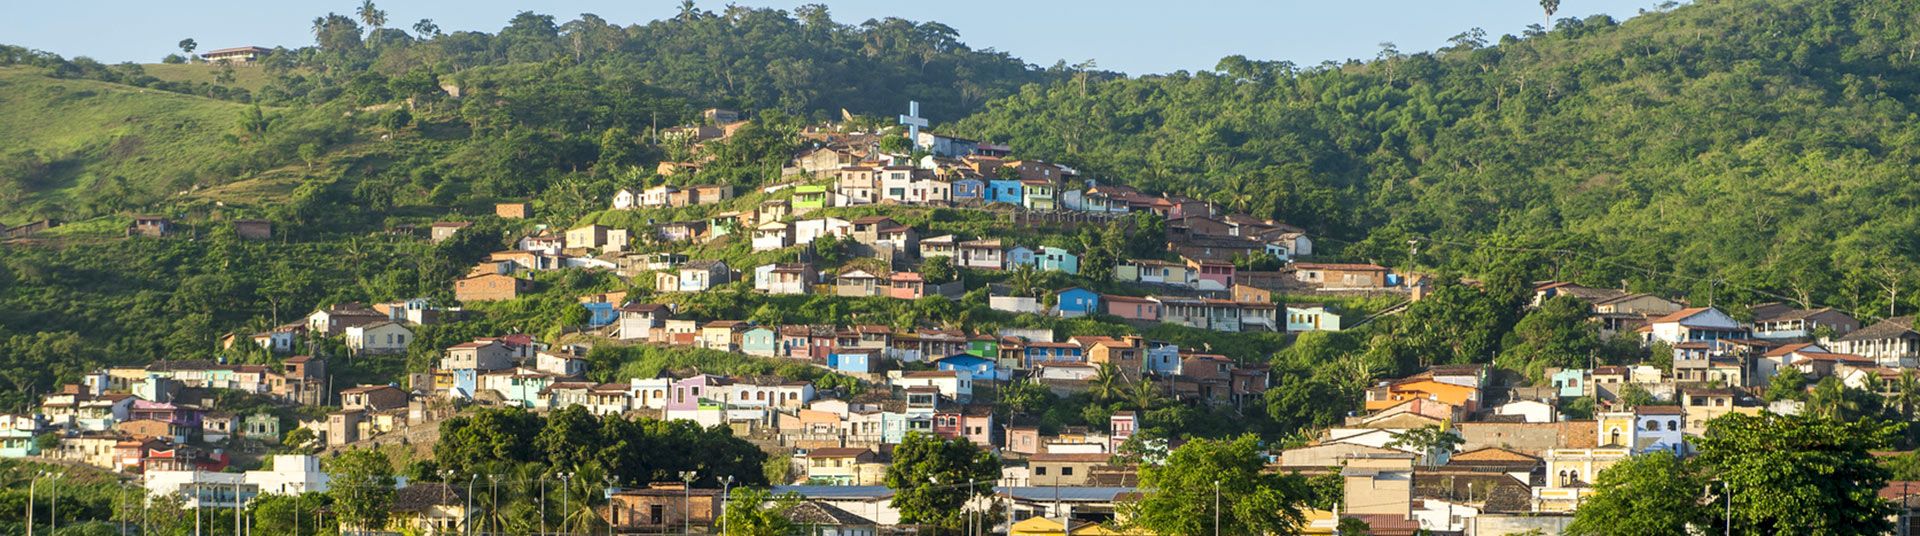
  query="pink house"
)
[
  {"x": 907, "y": 286},
  {"x": 1132, "y": 308},
  {"x": 1211, "y": 275}
]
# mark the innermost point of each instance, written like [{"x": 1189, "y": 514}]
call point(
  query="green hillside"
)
[
  {"x": 65, "y": 136},
  {"x": 1732, "y": 150}
]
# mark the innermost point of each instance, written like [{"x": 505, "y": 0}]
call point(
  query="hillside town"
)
[{"x": 1453, "y": 449}]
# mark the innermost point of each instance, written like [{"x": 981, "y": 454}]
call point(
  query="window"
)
[
  {"x": 1066, "y": 471},
  {"x": 1673, "y": 425},
  {"x": 1039, "y": 470}
]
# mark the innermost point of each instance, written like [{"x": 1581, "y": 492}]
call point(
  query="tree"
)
[
  {"x": 1353, "y": 526},
  {"x": 1787, "y": 384},
  {"x": 1106, "y": 382},
  {"x": 1550, "y": 7},
  {"x": 309, "y": 153},
  {"x": 757, "y": 512},
  {"x": 1633, "y": 396},
  {"x": 224, "y": 73},
  {"x": 396, "y": 120},
  {"x": 1906, "y": 396},
  {"x": 938, "y": 270},
  {"x": 1558, "y": 334},
  {"x": 1835, "y": 400},
  {"x": 362, "y": 487},
  {"x": 1432, "y": 442},
  {"x": 371, "y": 16},
  {"x": 1179, "y": 496},
  {"x": 187, "y": 45},
  {"x": 1296, "y": 403},
  {"x": 933, "y": 479},
  {"x": 1799, "y": 474},
  {"x": 426, "y": 28},
  {"x": 1654, "y": 493}
]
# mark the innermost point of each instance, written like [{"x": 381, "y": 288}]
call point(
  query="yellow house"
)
[{"x": 1042, "y": 526}]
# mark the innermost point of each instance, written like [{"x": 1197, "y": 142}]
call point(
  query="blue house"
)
[
  {"x": 1078, "y": 301},
  {"x": 1568, "y": 383},
  {"x": 601, "y": 313},
  {"x": 1019, "y": 256},
  {"x": 1005, "y": 191},
  {"x": 760, "y": 341},
  {"x": 1056, "y": 259},
  {"x": 977, "y": 366},
  {"x": 967, "y": 190},
  {"x": 1054, "y": 352},
  {"x": 854, "y": 361},
  {"x": 466, "y": 381}
]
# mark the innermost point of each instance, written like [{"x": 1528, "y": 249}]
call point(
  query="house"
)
[
  {"x": 1694, "y": 324},
  {"x": 378, "y": 338},
  {"x": 1065, "y": 470},
  {"x": 1048, "y": 352},
  {"x": 784, "y": 278},
  {"x": 1018, "y": 256},
  {"x": 1891, "y": 342},
  {"x": 1779, "y": 321},
  {"x": 658, "y": 196},
  {"x": 857, "y": 185},
  {"x": 806, "y": 231},
  {"x": 680, "y": 231},
  {"x": 1395, "y": 392},
  {"x": 660, "y": 508},
  {"x": 513, "y": 211},
  {"x": 429, "y": 508},
  {"x": 1341, "y": 276},
  {"x": 246, "y": 54},
  {"x": 939, "y": 246},
  {"x": 723, "y": 335},
  {"x": 1311, "y": 317},
  {"x": 1132, "y": 308},
  {"x": 640, "y": 321},
  {"x": 440, "y": 231},
  {"x": 373, "y": 398},
  {"x": 845, "y": 467},
  {"x": 625, "y": 199},
  {"x": 858, "y": 283},
  {"x": 982, "y": 255},
  {"x": 1126, "y": 354},
  {"x": 598, "y": 237},
  {"x": 979, "y": 367},
  {"x": 696, "y": 276},
  {"x": 810, "y": 197},
  {"x": 968, "y": 191},
  {"x": 953, "y": 384},
  {"x": 772, "y": 235},
  {"x": 1038, "y": 194},
  {"x": 856, "y": 360},
  {"x": 1056, "y": 259},
  {"x": 150, "y": 226},
  {"x": 1005, "y": 191},
  {"x": 490, "y": 287},
  {"x": 1210, "y": 275},
  {"x": 1075, "y": 302},
  {"x": 1153, "y": 271}
]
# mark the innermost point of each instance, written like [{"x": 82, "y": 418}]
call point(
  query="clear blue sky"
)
[{"x": 1137, "y": 37}]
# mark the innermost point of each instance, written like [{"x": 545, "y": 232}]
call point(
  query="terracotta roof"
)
[
  {"x": 1679, "y": 315},
  {"x": 1659, "y": 410},
  {"x": 1338, "y": 266},
  {"x": 1083, "y": 458}
]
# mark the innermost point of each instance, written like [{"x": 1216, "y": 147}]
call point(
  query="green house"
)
[{"x": 810, "y": 196}]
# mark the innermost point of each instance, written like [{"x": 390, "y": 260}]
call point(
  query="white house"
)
[
  {"x": 955, "y": 384},
  {"x": 1311, "y": 317},
  {"x": 1694, "y": 324},
  {"x": 772, "y": 235},
  {"x": 1015, "y": 304},
  {"x": 290, "y": 474},
  {"x": 1530, "y": 410},
  {"x": 379, "y": 338},
  {"x": 625, "y": 199},
  {"x": 805, "y": 231}
]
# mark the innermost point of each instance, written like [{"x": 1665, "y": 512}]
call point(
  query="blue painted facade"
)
[
  {"x": 979, "y": 367},
  {"x": 1078, "y": 301},
  {"x": 1005, "y": 191},
  {"x": 968, "y": 190},
  {"x": 862, "y": 362},
  {"x": 600, "y": 313}
]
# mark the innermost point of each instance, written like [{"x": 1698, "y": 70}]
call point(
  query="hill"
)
[
  {"x": 68, "y": 135},
  {"x": 1738, "y": 150}
]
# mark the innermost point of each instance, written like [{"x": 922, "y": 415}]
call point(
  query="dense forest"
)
[{"x": 1729, "y": 150}]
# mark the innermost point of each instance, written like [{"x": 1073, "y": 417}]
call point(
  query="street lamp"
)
[
  {"x": 466, "y": 515},
  {"x": 726, "y": 501},
  {"x": 53, "y": 517},
  {"x": 1216, "y": 508},
  {"x": 34, "y": 481},
  {"x": 566, "y": 479},
  {"x": 686, "y": 501}
]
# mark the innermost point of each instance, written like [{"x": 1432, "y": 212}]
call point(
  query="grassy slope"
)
[
  {"x": 158, "y": 141},
  {"x": 250, "y": 78}
]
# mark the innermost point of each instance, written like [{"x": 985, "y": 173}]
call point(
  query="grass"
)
[
  {"x": 91, "y": 131},
  {"x": 250, "y": 78}
]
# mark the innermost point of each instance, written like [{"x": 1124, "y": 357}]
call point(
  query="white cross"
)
[{"x": 914, "y": 122}]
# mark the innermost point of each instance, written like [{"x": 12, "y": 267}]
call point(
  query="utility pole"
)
[
  {"x": 53, "y": 517},
  {"x": 726, "y": 501},
  {"x": 30, "y": 488},
  {"x": 466, "y": 515},
  {"x": 543, "y": 505}
]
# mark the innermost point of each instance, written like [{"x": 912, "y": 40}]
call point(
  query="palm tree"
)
[
  {"x": 1906, "y": 394},
  {"x": 1429, "y": 440},
  {"x": 1829, "y": 399},
  {"x": 372, "y": 16},
  {"x": 1025, "y": 280},
  {"x": 1551, "y": 7},
  {"x": 426, "y": 28},
  {"x": 1106, "y": 382},
  {"x": 1144, "y": 395},
  {"x": 319, "y": 26}
]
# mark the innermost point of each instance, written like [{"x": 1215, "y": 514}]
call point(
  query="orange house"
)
[{"x": 1466, "y": 398}]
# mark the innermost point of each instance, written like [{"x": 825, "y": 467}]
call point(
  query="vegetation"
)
[
  {"x": 933, "y": 478},
  {"x": 1180, "y": 496}
]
